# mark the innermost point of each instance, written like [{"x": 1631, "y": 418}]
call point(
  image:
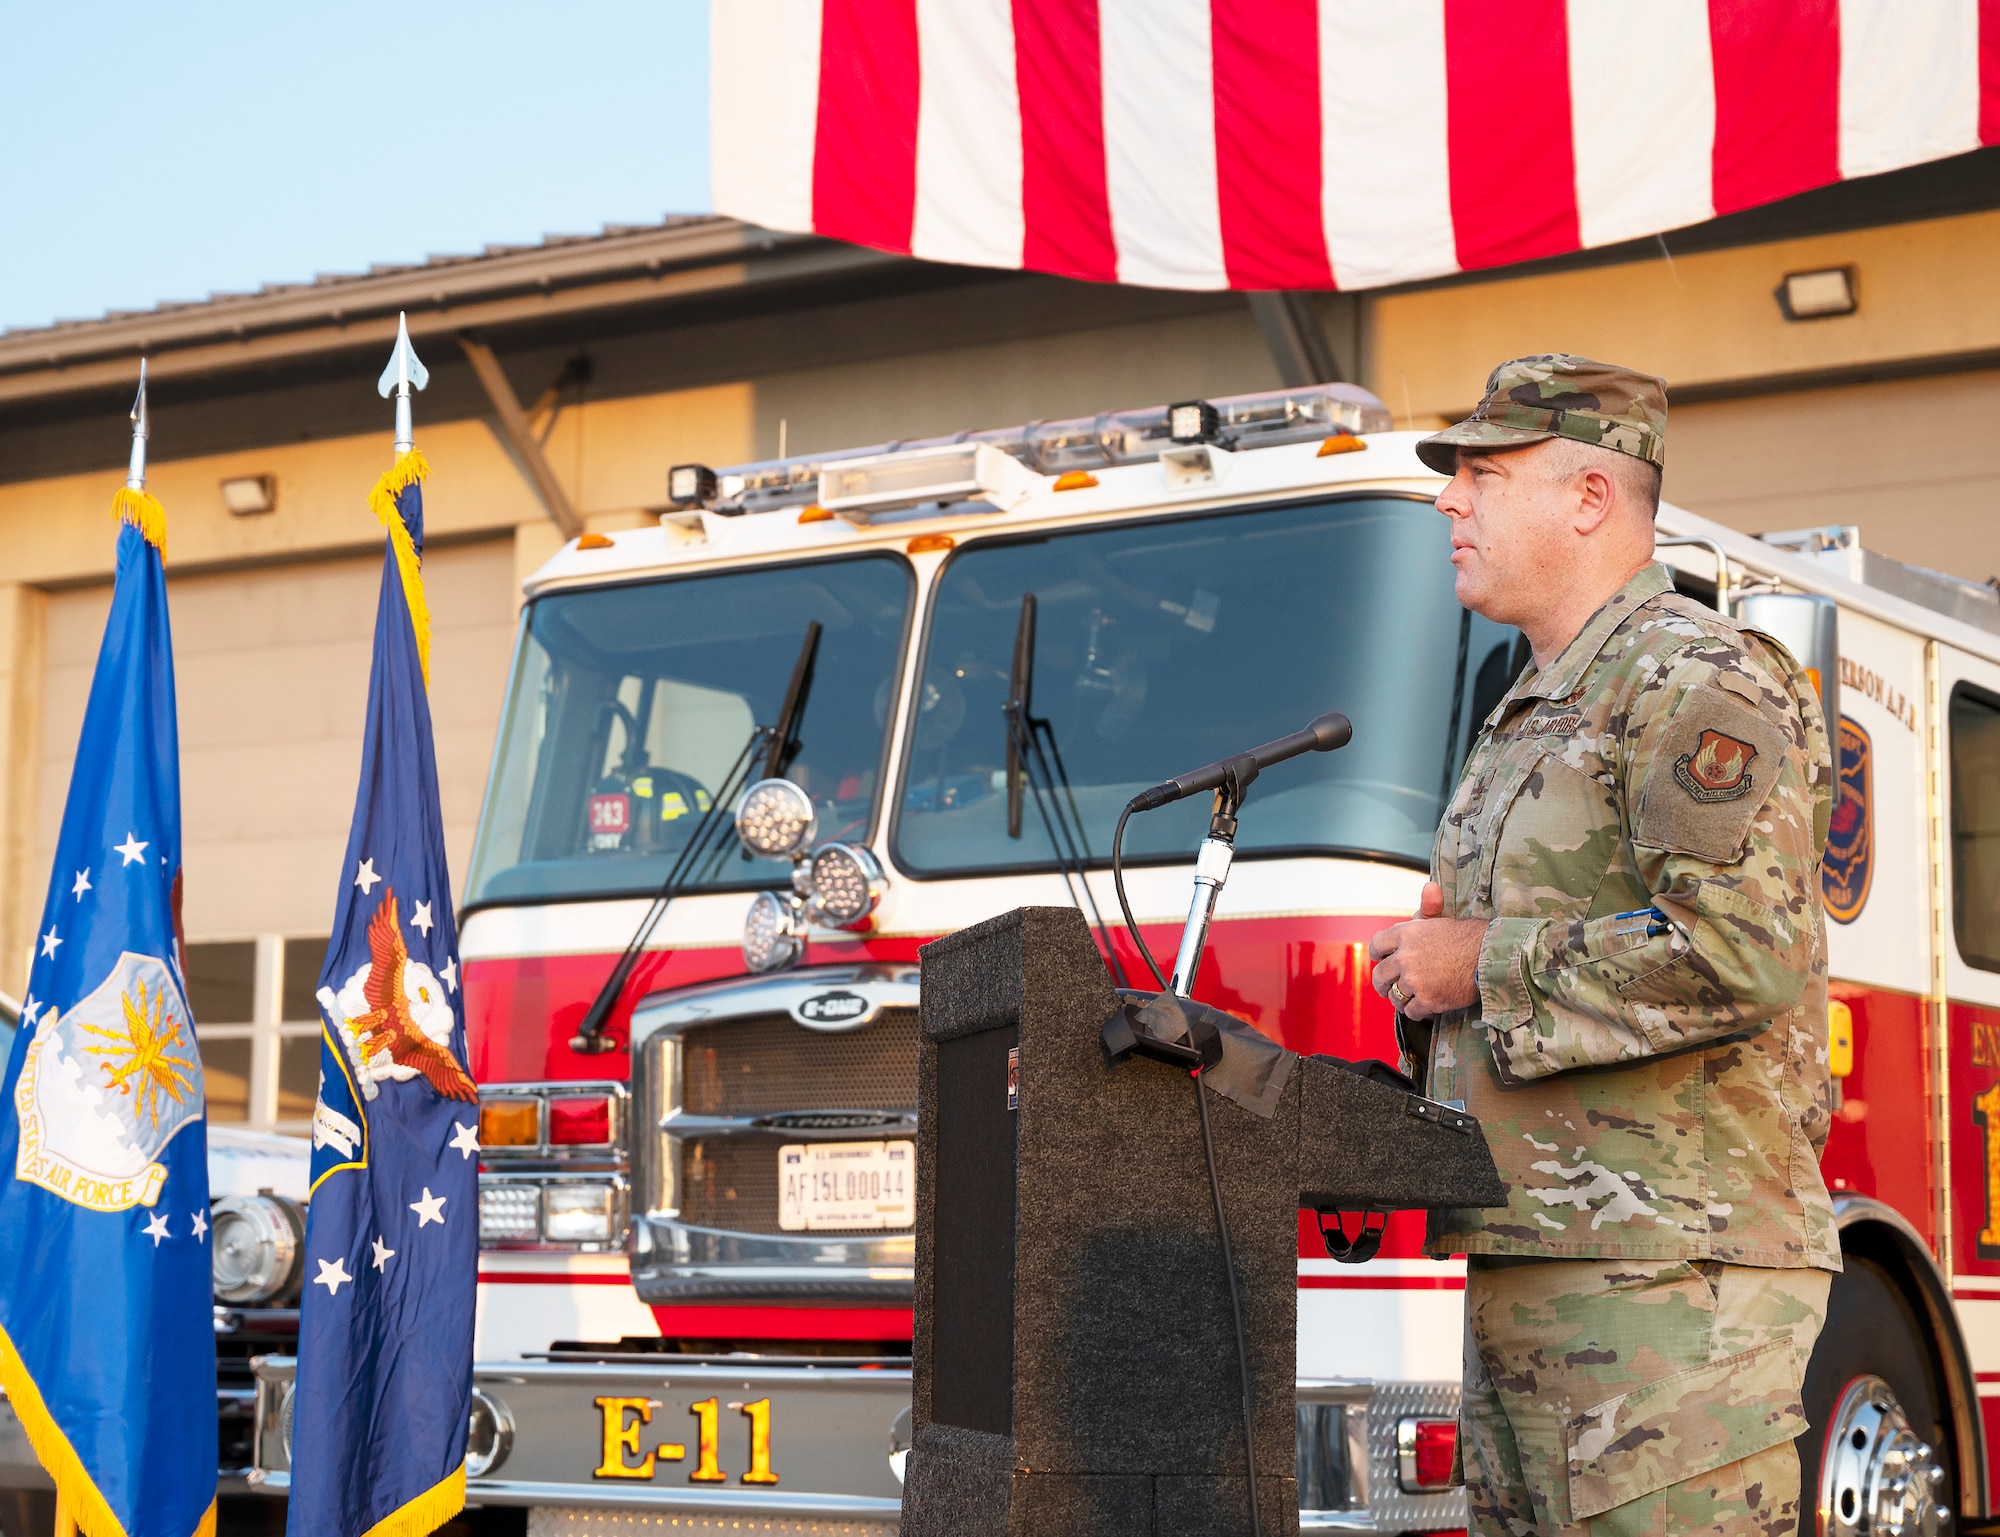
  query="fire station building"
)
[{"x": 1833, "y": 360}]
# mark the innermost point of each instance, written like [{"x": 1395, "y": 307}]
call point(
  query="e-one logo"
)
[{"x": 831, "y": 1008}]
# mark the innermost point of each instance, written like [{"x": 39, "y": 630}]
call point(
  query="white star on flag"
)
[
  {"x": 383, "y": 1253},
  {"x": 449, "y": 971},
  {"x": 50, "y": 941},
  {"x": 157, "y": 1228},
  {"x": 430, "y": 1208},
  {"x": 332, "y": 1276},
  {"x": 200, "y": 1225},
  {"x": 131, "y": 848},
  {"x": 28, "y": 1009},
  {"x": 82, "y": 884},
  {"x": 421, "y": 918},
  {"x": 365, "y": 877},
  {"x": 467, "y": 1139}
]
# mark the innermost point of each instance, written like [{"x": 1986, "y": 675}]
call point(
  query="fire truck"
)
[{"x": 832, "y": 707}]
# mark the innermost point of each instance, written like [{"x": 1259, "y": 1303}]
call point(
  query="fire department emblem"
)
[
  {"x": 1850, "y": 844},
  {"x": 106, "y": 1086},
  {"x": 1718, "y": 769}
]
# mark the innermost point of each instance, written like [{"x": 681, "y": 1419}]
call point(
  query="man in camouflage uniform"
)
[{"x": 1620, "y": 968}]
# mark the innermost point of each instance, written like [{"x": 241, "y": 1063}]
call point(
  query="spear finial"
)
[
  {"x": 405, "y": 372},
  {"x": 135, "y": 475}
]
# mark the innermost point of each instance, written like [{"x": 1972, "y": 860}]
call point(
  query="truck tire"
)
[{"x": 1876, "y": 1446}]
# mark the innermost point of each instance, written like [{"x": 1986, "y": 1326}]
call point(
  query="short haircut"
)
[{"x": 1637, "y": 479}]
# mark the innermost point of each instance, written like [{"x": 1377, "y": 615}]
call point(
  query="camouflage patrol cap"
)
[{"x": 1559, "y": 396}]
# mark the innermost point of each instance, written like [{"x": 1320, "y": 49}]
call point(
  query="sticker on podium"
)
[{"x": 846, "y": 1185}]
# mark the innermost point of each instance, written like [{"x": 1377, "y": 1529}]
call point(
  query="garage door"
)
[
  {"x": 271, "y": 667},
  {"x": 1914, "y": 462}
]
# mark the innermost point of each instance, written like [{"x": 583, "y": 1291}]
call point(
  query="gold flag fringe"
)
[
  {"x": 75, "y": 1489},
  {"x": 143, "y": 511},
  {"x": 427, "y": 1512},
  {"x": 410, "y": 469}
]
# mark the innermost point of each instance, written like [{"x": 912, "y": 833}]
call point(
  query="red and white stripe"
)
[{"x": 1318, "y": 143}]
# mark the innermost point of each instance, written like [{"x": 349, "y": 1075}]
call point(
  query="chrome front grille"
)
[
  {"x": 757, "y": 1066},
  {"x": 725, "y": 1075}
]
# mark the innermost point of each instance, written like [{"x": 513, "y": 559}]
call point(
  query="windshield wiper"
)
[
  {"x": 782, "y": 746},
  {"x": 785, "y": 742},
  {"x": 1028, "y": 768}
]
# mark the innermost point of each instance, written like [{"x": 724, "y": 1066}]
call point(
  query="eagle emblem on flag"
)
[{"x": 396, "y": 1020}]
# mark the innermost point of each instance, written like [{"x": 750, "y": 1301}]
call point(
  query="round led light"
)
[
  {"x": 772, "y": 937},
  {"x": 775, "y": 818},
  {"x": 847, "y": 884},
  {"x": 259, "y": 1249}
]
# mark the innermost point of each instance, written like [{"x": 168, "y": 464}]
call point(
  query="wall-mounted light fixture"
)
[
  {"x": 248, "y": 495},
  {"x": 1817, "y": 295}
]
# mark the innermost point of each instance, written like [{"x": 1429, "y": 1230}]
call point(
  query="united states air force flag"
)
[
  {"x": 392, "y": 1236},
  {"x": 107, "y": 1339}
]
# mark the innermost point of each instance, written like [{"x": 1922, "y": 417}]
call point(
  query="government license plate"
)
[{"x": 846, "y": 1185}]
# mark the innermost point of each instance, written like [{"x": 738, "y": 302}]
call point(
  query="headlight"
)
[
  {"x": 509, "y": 1213},
  {"x": 847, "y": 884},
  {"x": 579, "y": 1213},
  {"x": 771, "y": 937},
  {"x": 490, "y": 1437},
  {"x": 259, "y": 1252},
  {"x": 775, "y": 818}
]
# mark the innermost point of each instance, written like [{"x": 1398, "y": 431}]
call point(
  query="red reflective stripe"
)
[
  {"x": 550, "y": 1278},
  {"x": 1777, "y": 98},
  {"x": 1989, "y": 71},
  {"x": 785, "y": 1323},
  {"x": 1064, "y": 204},
  {"x": 1513, "y": 170},
  {"x": 1267, "y": 143},
  {"x": 865, "y": 147}
]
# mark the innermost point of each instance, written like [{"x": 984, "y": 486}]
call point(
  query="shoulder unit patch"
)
[{"x": 1718, "y": 768}]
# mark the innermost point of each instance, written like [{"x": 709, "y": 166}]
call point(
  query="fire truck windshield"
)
[
  {"x": 1166, "y": 644},
  {"x": 628, "y": 705}
]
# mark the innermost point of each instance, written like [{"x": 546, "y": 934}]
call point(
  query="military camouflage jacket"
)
[{"x": 1642, "y": 822}]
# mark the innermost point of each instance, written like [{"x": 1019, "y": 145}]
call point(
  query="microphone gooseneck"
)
[{"x": 1323, "y": 734}]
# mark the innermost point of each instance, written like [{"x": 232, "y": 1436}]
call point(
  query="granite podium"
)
[{"x": 1076, "y": 1368}]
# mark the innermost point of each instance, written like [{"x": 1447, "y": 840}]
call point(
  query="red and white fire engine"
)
[{"x": 941, "y": 668}]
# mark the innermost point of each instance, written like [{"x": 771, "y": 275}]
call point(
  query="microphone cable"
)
[{"x": 1214, "y": 1186}]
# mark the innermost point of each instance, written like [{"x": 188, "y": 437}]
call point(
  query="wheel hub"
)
[{"x": 1878, "y": 1477}]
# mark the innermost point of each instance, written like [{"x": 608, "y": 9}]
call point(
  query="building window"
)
[
  {"x": 1975, "y": 825},
  {"x": 257, "y": 1022}
]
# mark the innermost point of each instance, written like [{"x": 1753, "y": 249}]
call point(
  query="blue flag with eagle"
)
[
  {"x": 107, "y": 1340},
  {"x": 384, "y": 1390}
]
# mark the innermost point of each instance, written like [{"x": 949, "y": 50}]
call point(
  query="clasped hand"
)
[{"x": 1430, "y": 962}]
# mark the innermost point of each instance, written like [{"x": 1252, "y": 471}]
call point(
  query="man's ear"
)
[{"x": 1596, "y": 500}]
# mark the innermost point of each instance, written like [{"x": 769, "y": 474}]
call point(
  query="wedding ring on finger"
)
[{"x": 1403, "y": 999}]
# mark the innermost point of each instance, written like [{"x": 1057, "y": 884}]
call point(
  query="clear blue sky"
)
[{"x": 168, "y": 151}]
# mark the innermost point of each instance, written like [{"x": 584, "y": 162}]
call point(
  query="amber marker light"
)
[
  {"x": 510, "y": 1123},
  {"x": 815, "y": 514},
  {"x": 594, "y": 542},
  {"x": 1340, "y": 443},
  {"x": 1075, "y": 480},
  {"x": 926, "y": 544}
]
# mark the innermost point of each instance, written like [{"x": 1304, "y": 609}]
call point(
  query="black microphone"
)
[{"x": 1324, "y": 734}]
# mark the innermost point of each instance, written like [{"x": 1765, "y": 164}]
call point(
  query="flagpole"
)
[
  {"x": 65, "y": 1516},
  {"x": 404, "y": 373},
  {"x": 135, "y": 474}
]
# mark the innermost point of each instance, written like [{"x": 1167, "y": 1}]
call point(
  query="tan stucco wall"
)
[{"x": 1925, "y": 289}]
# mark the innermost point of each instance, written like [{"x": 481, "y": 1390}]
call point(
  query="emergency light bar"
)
[
  {"x": 948, "y": 469},
  {"x": 962, "y": 472}
]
